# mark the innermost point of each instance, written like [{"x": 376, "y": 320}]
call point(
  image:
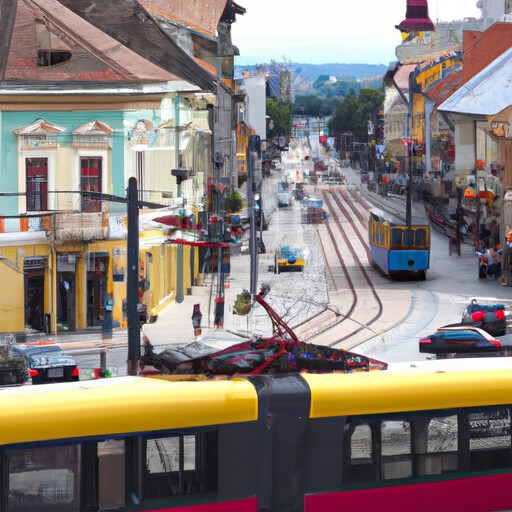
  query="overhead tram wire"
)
[{"x": 99, "y": 196}]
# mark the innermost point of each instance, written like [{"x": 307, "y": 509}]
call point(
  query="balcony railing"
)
[
  {"x": 92, "y": 141},
  {"x": 37, "y": 141},
  {"x": 81, "y": 226}
]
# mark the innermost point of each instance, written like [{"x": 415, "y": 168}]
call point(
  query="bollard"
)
[{"x": 103, "y": 364}]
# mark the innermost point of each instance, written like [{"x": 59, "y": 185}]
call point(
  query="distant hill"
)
[
  {"x": 310, "y": 72},
  {"x": 314, "y": 78}
]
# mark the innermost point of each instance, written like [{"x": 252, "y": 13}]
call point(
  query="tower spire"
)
[{"x": 416, "y": 17}]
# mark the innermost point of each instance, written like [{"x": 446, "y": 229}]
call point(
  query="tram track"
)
[
  {"x": 372, "y": 311},
  {"x": 337, "y": 237},
  {"x": 354, "y": 252},
  {"x": 342, "y": 263}
]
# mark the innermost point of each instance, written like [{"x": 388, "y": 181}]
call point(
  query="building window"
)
[
  {"x": 90, "y": 180},
  {"x": 36, "y": 172},
  {"x": 52, "y": 57}
]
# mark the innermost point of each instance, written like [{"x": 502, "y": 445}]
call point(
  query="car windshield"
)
[{"x": 34, "y": 350}]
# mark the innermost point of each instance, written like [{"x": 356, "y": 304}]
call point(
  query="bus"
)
[
  {"x": 395, "y": 249},
  {"x": 382, "y": 440}
]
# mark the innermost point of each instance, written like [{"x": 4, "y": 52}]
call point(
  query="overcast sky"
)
[{"x": 330, "y": 31}]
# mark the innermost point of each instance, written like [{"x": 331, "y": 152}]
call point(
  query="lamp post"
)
[
  {"x": 132, "y": 280},
  {"x": 254, "y": 145},
  {"x": 408, "y": 148}
]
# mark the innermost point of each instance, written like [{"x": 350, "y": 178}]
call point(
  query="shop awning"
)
[
  {"x": 199, "y": 243},
  {"x": 487, "y": 93}
]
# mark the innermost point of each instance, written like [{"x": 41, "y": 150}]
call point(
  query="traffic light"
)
[{"x": 182, "y": 174}]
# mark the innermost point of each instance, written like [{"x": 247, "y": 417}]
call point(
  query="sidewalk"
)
[{"x": 173, "y": 326}]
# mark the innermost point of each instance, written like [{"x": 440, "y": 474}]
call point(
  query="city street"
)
[{"x": 339, "y": 299}]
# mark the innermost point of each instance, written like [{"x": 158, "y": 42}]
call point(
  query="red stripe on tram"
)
[
  {"x": 245, "y": 505},
  {"x": 476, "y": 494}
]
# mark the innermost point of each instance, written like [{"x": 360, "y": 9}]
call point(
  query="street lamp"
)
[{"x": 254, "y": 146}]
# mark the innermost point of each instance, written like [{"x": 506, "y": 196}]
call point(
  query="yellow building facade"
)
[{"x": 78, "y": 275}]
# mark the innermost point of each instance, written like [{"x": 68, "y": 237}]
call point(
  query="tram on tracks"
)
[
  {"x": 396, "y": 248},
  {"x": 380, "y": 440}
]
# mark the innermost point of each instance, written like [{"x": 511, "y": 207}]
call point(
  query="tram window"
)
[
  {"x": 111, "y": 474},
  {"x": 396, "y": 450},
  {"x": 359, "y": 464},
  {"x": 420, "y": 237},
  {"x": 396, "y": 237},
  {"x": 44, "y": 479},
  {"x": 361, "y": 445},
  {"x": 442, "y": 434},
  {"x": 173, "y": 467},
  {"x": 375, "y": 233},
  {"x": 436, "y": 443},
  {"x": 380, "y": 237},
  {"x": 490, "y": 439},
  {"x": 408, "y": 237}
]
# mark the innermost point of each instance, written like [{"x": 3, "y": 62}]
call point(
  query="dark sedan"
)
[
  {"x": 47, "y": 363},
  {"x": 460, "y": 339}
]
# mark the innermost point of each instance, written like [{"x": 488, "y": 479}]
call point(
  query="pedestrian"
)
[
  {"x": 196, "y": 319},
  {"x": 489, "y": 236},
  {"x": 219, "y": 313}
]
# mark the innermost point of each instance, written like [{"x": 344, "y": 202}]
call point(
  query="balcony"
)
[
  {"x": 28, "y": 142},
  {"x": 98, "y": 141}
]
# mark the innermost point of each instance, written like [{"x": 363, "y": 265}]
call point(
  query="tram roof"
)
[
  {"x": 121, "y": 405},
  {"x": 383, "y": 216},
  {"x": 131, "y": 405},
  {"x": 393, "y": 392}
]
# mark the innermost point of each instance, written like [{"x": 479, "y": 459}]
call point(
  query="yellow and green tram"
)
[
  {"x": 387, "y": 441},
  {"x": 397, "y": 249}
]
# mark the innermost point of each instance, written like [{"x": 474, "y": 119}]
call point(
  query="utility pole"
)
[
  {"x": 408, "y": 146},
  {"x": 254, "y": 145},
  {"x": 132, "y": 280}
]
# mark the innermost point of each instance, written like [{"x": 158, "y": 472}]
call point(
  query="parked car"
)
[
  {"x": 460, "y": 339},
  {"x": 47, "y": 362},
  {"x": 13, "y": 365},
  {"x": 289, "y": 259},
  {"x": 284, "y": 197},
  {"x": 489, "y": 317}
]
